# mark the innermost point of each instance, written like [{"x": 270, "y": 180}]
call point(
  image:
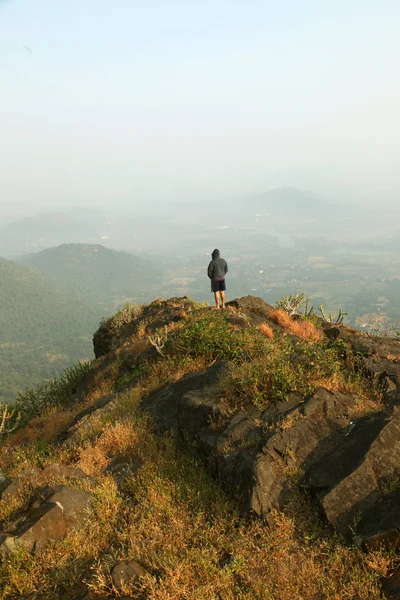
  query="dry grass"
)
[
  {"x": 267, "y": 330},
  {"x": 302, "y": 329},
  {"x": 45, "y": 428},
  {"x": 173, "y": 519}
]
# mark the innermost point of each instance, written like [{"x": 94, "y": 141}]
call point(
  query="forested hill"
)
[
  {"x": 100, "y": 273},
  {"x": 52, "y": 304},
  {"x": 43, "y": 329}
]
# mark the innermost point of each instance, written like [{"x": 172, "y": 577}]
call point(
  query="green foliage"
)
[
  {"x": 292, "y": 304},
  {"x": 210, "y": 337},
  {"x": 158, "y": 340},
  {"x": 285, "y": 366},
  {"x": 57, "y": 392},
  {"x": 128, "y": 313},
  {"x": 43, "y": 329},
  {"x": 9, "y": 419},
  {"x": 195, "y": 305},
  {"x": 87, "y": 267},
  {"x": 382, "y": 327},
  {"x": 332, "y": 318}
]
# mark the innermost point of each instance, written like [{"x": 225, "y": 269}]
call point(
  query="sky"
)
[{"x": 127, "y": 101}]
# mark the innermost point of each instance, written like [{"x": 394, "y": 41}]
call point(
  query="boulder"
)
[
  {"x": 380, "y": 526},
  {"x": 15, "y": 486},
  {"x": 248, "y": 450},
  {"x": 121, "y": 466},
  {"x": 378, "y": 356},
  {"x": 391, "y": 586},
  {"x": 331, "y": 405},
  {"x": 348, "y": 478},
  {"x": 176, "y": 408},
  {"x": 4, "y": 482},
  {"x": 64, "y": 508},
  {"x": 57, "y": 470},
  {"x": 286, "y": 453},
  {"x": 126, "y": 573}
]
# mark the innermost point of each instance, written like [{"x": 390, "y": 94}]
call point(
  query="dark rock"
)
[
  {"x": 348, "y": 478},
  {"x": 121, "y": 466},
  {"x": 251, "y": 304},
  {"x": 171, "y": 412},
  {"x": 126, "y": 573},
  {"x": 283, "y": 407},
  {"x": 378, "y": 356},
  {"x": 347, "y": 460},
  {"x": 4, "y": 482},
  {"x": 331, "y": 405},
  {"x": 51, "y": 521},
  {"x": 71, "y": 435},
  {"x": 16, "y": 485},
  {"x": 66, "y": 471},
  {"x": 157, "y": 314},
  {"x": 380, "y": 526},
  {"x": 391, "y": 586},
  {"x": 243, "y": 427},
  {"x": 287, "y": 452},
  {"x": 226, "y": 560}
]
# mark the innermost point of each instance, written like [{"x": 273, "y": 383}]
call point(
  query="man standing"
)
[{"x": 217, "y": 269}]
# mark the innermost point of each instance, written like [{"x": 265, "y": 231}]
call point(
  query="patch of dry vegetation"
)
[
  {"x": 306, "y": 330},
  {"x": 173, "y": 519},
  {"x": 267, "y": 331}
]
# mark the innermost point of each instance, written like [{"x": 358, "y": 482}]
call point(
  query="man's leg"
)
[
  {"x": 222, "y": 298},
  {"x": 216, "y": 296}
]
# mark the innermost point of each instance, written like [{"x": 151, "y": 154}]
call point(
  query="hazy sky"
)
[{"x": 124, "y": 100}]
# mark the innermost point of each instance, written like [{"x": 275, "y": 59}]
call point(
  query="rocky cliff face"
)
[{"x": 273, "y": 406}]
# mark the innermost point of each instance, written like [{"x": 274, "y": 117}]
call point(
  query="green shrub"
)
[
  {"x": 56, "y": 392},
  {"x": 128, "y": 313},
  {"x": 285, "y": 366},
  {"x": 211, "y": 337}
]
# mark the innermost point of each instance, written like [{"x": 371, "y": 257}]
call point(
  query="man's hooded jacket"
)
[{"x": 218, "y": 268}]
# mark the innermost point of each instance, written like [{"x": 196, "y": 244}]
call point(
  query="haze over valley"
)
[{"x": 64, "y": 271}]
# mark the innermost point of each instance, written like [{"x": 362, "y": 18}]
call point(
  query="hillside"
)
[
  {"x": 100, "y": 274},
  {"x": 209, "y": 455},
  {"x": 43, "y": 329},
  {"x": 52, "y": 304}
]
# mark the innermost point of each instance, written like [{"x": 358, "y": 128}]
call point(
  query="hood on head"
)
[{"x": 215, "y": 254}]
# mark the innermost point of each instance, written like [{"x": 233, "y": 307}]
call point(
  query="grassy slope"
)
[
  {"x": 98, "y": 272},
  {"x": 170, "y": 515},
  {"x": 40, "y": 328}
]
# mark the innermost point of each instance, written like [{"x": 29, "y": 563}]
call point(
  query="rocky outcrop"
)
[
  {"x": 259, "y": 452},
  {"x": 156, "y": 315},
  {"x": 352, "y": 477},
  {"x": 16, "y": 485},
  {"x": 380, "y": 526},
  {"x": 64, "y": 508},
  {"x": 378, "y": 357}
]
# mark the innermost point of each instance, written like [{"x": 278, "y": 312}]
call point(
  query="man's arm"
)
[
  {"x": 210, "y": 270},
  {"x": 226, "y": 267}
]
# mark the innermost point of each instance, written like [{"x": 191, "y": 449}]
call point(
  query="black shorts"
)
[{"x": 218, "y": 285}]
